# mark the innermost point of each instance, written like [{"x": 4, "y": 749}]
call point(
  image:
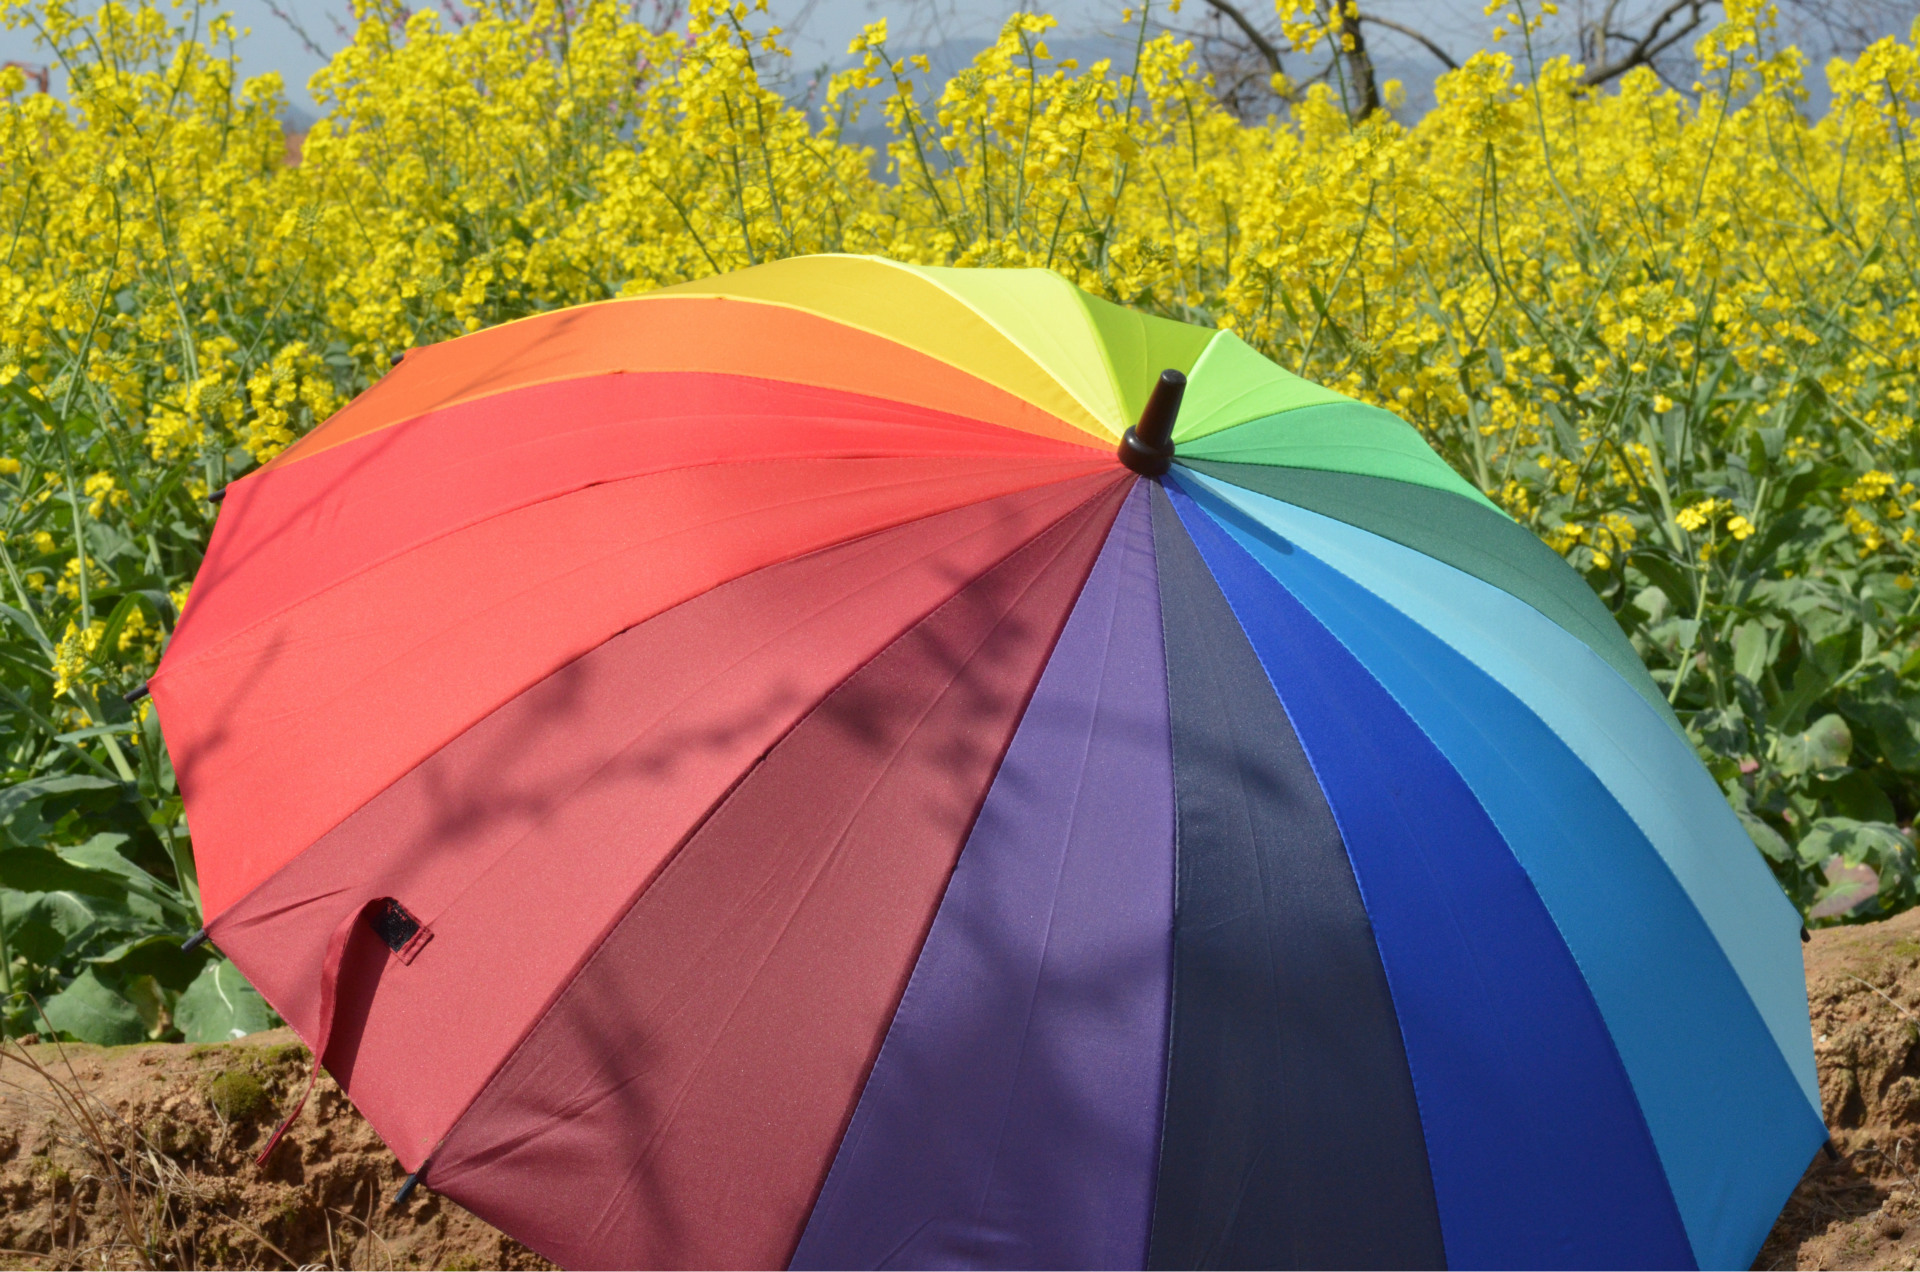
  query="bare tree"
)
[
  {"x": 1842, "y": 28},
  {"x": 1359, "y": 86},
  {"x": 1641, "y": 42},
  {"x": 1418, "y": 37},
  {"x": 1241, "y": 52},
  {"x": 1241, "y": 56},
  {"x": 1243, "y": 47}
]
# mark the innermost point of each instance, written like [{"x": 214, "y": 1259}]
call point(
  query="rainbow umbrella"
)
[{"x": 743, "y": 776}]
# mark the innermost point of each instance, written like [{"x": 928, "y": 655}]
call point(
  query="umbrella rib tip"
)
[{"x": 406, "y": 1188}]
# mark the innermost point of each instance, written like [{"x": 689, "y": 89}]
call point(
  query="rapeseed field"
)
[{"x": 1677, "y": 334}]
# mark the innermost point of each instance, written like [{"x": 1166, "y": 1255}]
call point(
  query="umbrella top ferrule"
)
[{"x": 1147, "y": 447}]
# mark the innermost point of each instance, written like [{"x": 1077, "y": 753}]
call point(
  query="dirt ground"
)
[
  {"x": 178, "y": 1126},
  {"x": 1862, "y": 1210}
]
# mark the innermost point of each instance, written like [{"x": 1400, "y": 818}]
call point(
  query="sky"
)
[{"x": 819, "y": 30}]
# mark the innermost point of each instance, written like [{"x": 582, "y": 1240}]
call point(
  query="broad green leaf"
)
[
  {"x": 117, "y": 620},
  {"x": 1856, "y": 796},
  {"x": 1871, "y": 843},
  {"x": 26, "y": 624},
  {"x": 102, "y": 852},
  {"x": 1810, "y": 682},
  {"x": 1751, "y": 647},
  {"x": 1668, "y": 577},
  {"x": 1766, "y": 838},
  {"x": 220, "y": 1006},
  {"x": 91, "y": 1011},
  {"x": 149, "y": 998},
  {"x": 1824, "y": 745},
  {"x": 40, "y": 870},
  {"x": 1896, "y": 730},
  {"x": 32, "y": 924},
  {"x": 158, "y": 956},
  {"x": 15, "y": 797}
]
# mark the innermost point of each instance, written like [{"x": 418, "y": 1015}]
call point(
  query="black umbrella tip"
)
[
  {"x": 136, "y": 693},
  {"x": 1147, "y": 447}
]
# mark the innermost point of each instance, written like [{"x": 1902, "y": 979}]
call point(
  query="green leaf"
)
[
  {"x": 1810, "y": 683},
  {"x": 149, "y": 998},
  {"x": 96, "y": 731},
  {"x": 1752, "y": 647},
  {"x": 39, "y": 870},
  {"x": 13, "y": 798},
  {"x": 1675, "y": 582},
  {"x": 90, "y": 1011},
  {"x": 1823, "y": 746},
  {"x": 1896, "y": 733},
  {"x": 116, "y": 621},
  {"x": 1856, "y": 842},
  {"x": 220, "y": 1006},
  {"x": 1856, "y": 796},
  {"x": 1892, "y": 717},
  {"x": 1826, "y": 477},
  {"x": 102, "y": 852},
  {"x": 158, "y": 956},
  {"x": 1766, "y": 839},
  {"x": 36, "y": 925},
  {"x": 1568, "y": 436},
  {"x": 25, "y": 623}
]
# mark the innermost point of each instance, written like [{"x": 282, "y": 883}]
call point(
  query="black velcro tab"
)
[{"x": 402, "y": 933}]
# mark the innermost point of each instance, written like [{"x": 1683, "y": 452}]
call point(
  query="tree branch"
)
[
  {"x": 287, "y": 19},
  {"x": 1649, "y": 45},
  {"x": 1351, "y": 45},
  {"x": 1266, "y": 48},
  {"x": 1415, "y": 36}
]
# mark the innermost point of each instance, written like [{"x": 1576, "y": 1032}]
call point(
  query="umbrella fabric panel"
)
[
  {"x": 1344, "y": 437},
  {"x": 287, "y": 533},
  {"x": 1042, "y": 315},
  {"x": 1293, "y": 1137},
  {"x": 908, "y": 307},
  {"x": 1107, "y": 356},
  {"x": 1138, "y": 346},
  {"x": 523, "y": 840},
  {"x": 1650, "y": 770},
  {"x": 709, "y": 1055},
  {"x": 666, "y": 333},
  {"x": 1539, "y": 1154},
  {"x": 316, "y": 709},
  {"x": 1733, "y": 1129},
  {"x": 1491, "y": 547},
  {"x": 1232, "y": 382},
  {"x": 1012, "y": 1118}
]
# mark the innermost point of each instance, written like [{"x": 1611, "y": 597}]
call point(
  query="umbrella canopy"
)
[{"x": 745, "y": 775}]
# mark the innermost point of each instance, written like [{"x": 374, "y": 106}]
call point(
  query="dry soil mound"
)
[
  {"x": 1861, "y": 1210},
  {"x": 179, "y": 1127}
]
